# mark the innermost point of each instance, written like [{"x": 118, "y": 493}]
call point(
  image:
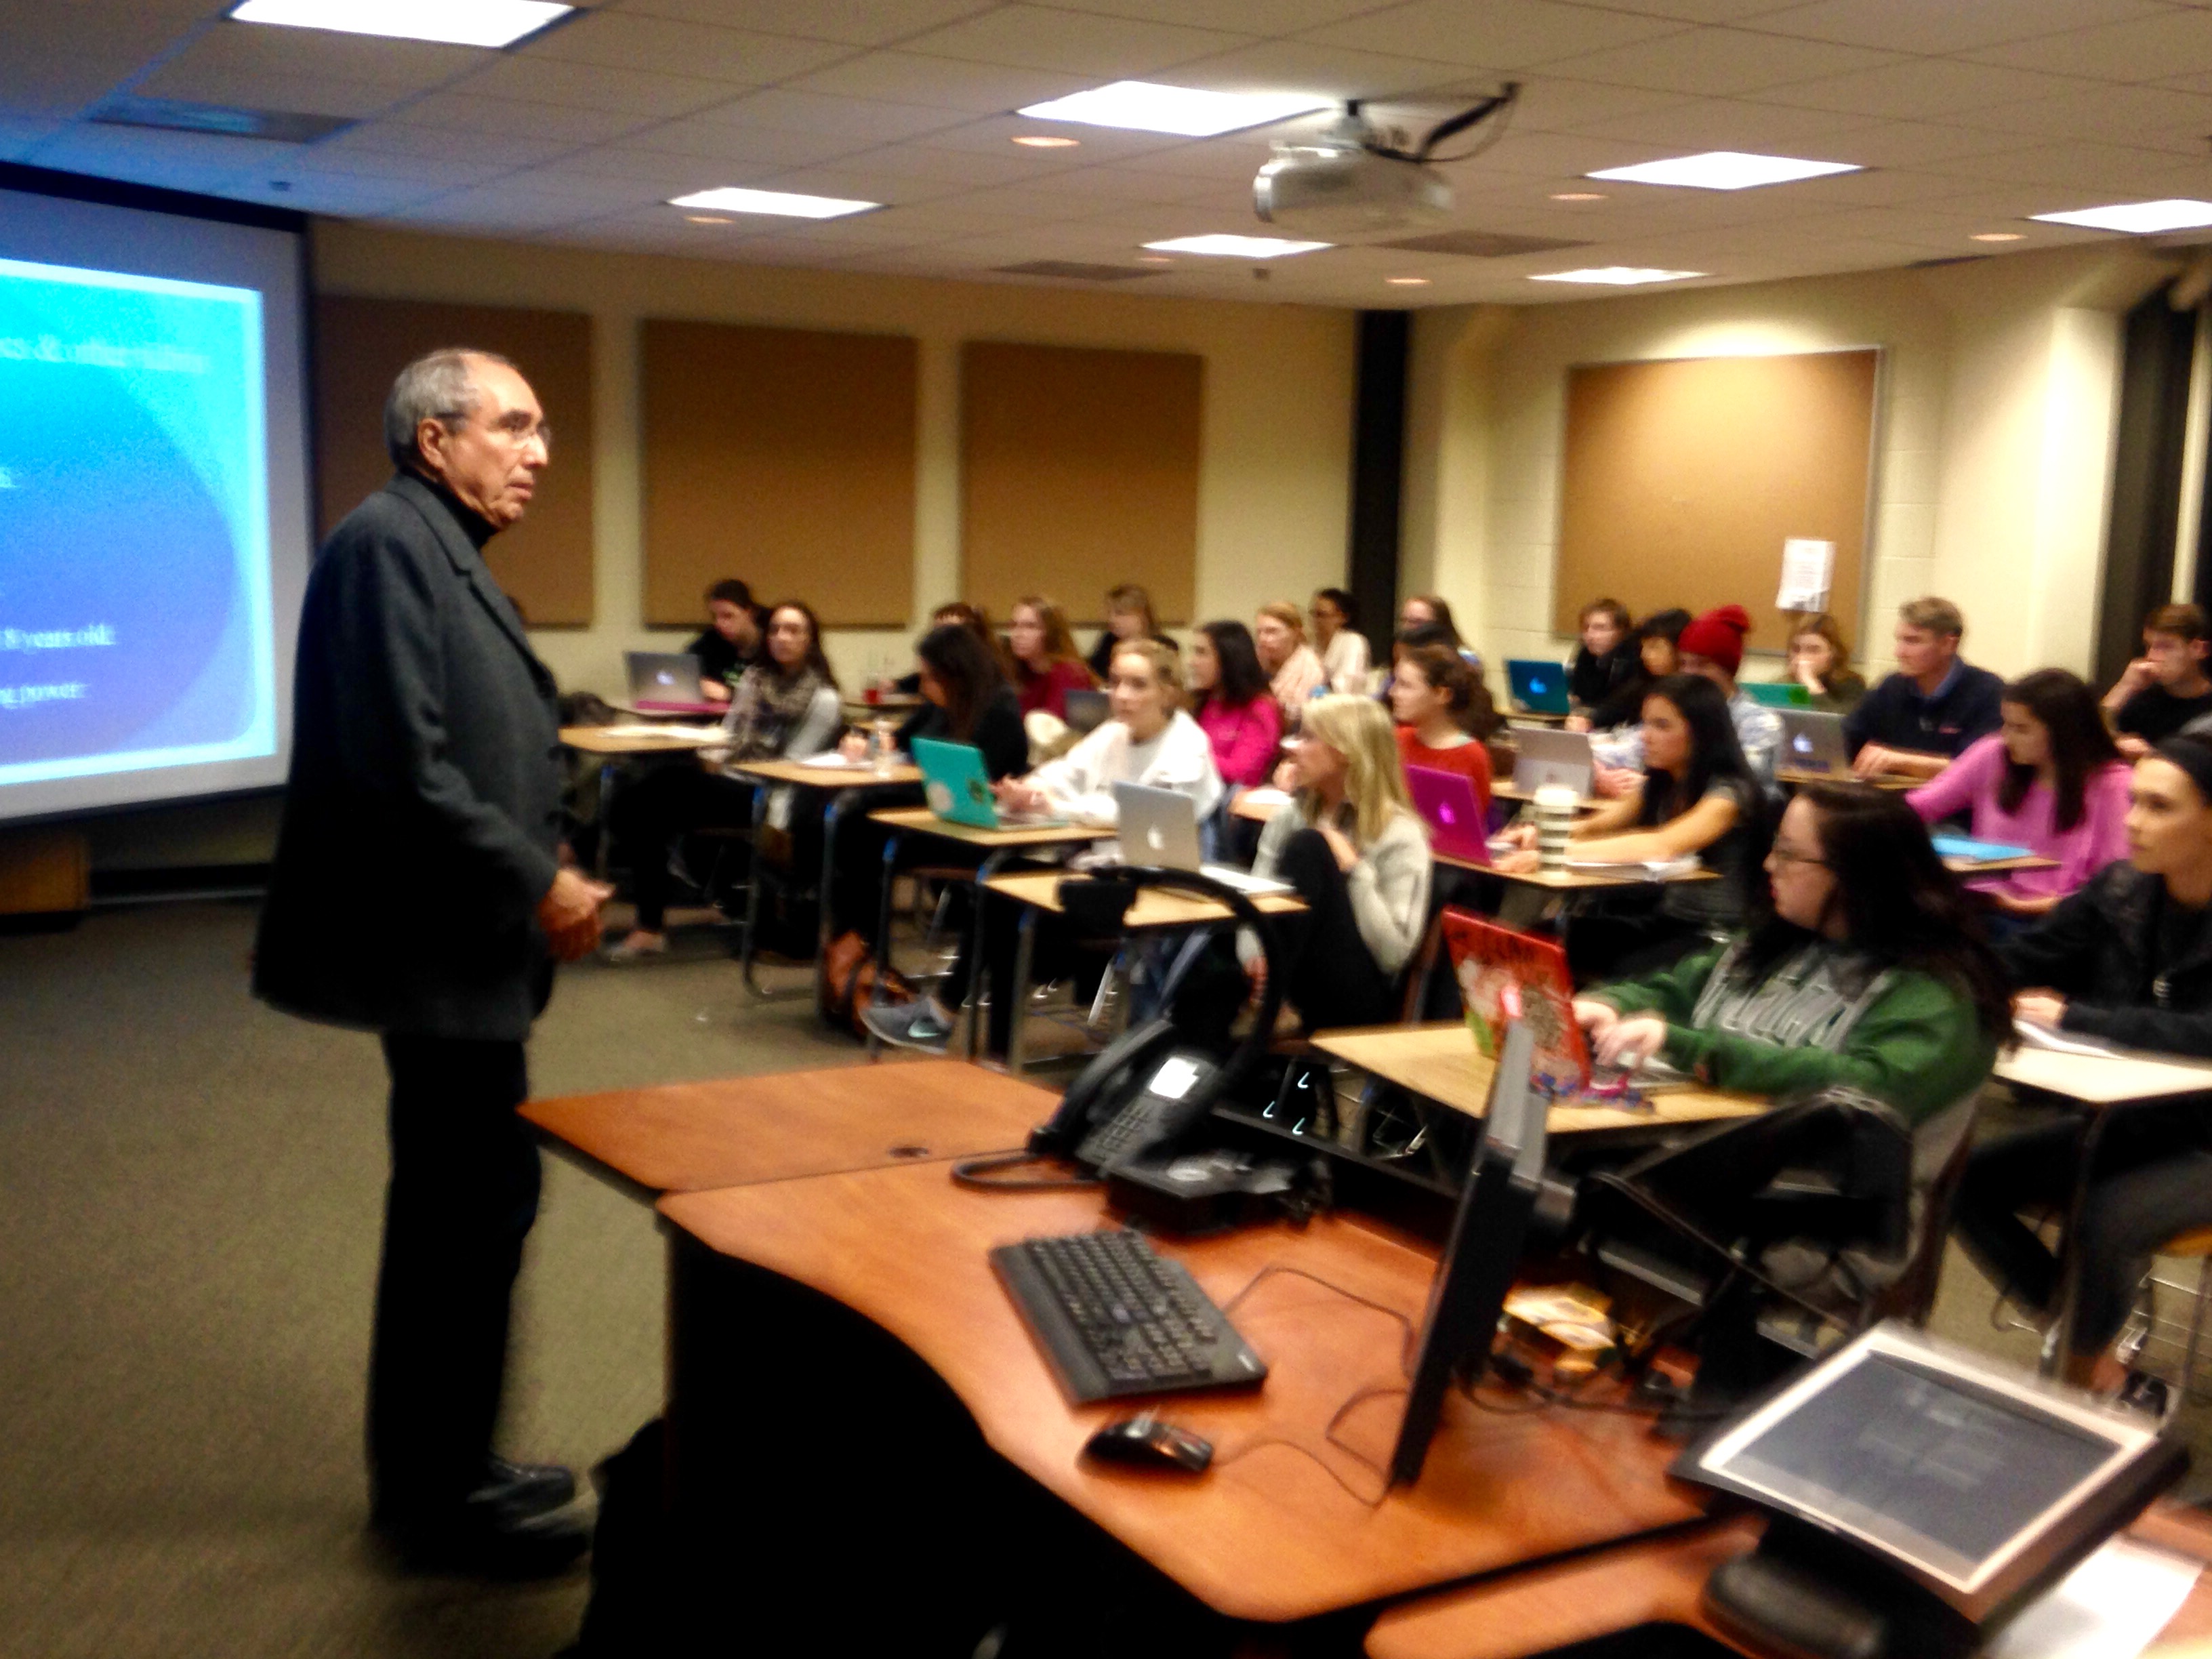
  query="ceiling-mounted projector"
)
[{"x": 1350, "y": 179}]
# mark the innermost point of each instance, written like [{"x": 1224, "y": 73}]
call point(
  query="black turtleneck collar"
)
[{"x": 476, "y": 527}]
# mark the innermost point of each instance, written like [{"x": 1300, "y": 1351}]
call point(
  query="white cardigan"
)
[
  {"x": 1389, "y": 887},
  {"x": 1079, "y": 785}
]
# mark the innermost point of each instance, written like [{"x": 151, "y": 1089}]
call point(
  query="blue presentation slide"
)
[{"x": 135, "y": 625}]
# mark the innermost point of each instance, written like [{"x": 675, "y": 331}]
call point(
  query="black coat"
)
[
  {"x": 424, "y": 816},
  {"x": 2097, "y": 948}
]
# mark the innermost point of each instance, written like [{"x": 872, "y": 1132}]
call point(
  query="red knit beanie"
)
[{"x": 1718, "y": 637}]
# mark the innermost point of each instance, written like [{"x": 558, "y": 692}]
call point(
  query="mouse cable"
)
[
  {"x": 979, "y": 1173},
  {"x": 1406, "y": 1349},
  {"x": 1328, "y": 1433}
]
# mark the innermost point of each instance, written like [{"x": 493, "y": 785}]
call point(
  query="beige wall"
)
[
  {"x": 1993, "y": 438},
  {"x": 1272, "y": 497}
]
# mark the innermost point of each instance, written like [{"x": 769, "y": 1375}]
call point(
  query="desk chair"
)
[{"x": 1308, "y": 1072}]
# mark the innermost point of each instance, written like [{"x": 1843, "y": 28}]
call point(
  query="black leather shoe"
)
[
  {"x": 482, "y": 1542},
  {"x": 525, "y": 1489}
]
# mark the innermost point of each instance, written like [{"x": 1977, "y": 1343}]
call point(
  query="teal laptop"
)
[
  {"x": 954, "y": 783},
  {"x": 1776, "y": 694}
]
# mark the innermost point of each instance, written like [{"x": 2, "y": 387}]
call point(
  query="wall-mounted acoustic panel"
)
[
  {"x": 1683, "y": 478},
  {"x": 785, "y": 457},
  {"x": 544, "y": 563},
  {"x": 1079, "y": 471}
]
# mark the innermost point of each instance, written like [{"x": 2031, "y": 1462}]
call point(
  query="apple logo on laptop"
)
[
  {"x": 939, "y": 796},
  {"x": 1154, "y": 839},
  {"x": 1802, "y": 744},
  {"x": 1445, "y": 814}
]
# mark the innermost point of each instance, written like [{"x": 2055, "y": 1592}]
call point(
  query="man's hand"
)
[
  {"x": 569, "y": 913},
  {"x": 1873, "y": 760},
  {"x": 2043, "y": 1008},
  {"x": 2135, "y": 677}
]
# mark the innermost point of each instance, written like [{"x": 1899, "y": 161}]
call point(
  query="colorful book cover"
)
[{"x": 1489, "y": 961}]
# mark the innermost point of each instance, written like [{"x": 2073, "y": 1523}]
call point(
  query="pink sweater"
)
[
  {"x": 1245, "y": 740},
  {"x": 2098, "y": 839}
]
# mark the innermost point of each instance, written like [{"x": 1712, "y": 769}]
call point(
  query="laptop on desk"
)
[
  {"x": 1087, "y": 711},
  {"x": 1160, "y": 827},
  {"x": 1813, "y": 741},
  {"x": 1776, "y": 694},
  {"x": 1541, "y": 688},
  {"x": 1457, "y": 826},
  {"x": 1547, "y": 757},
  {"x": 666, "y": 683}
]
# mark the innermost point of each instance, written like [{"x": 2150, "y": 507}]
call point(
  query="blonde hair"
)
[
  {"x": 1360, "y": 730},
  {"x": 1287, "y": 614},
  {"x": 1167, "y": 664}
]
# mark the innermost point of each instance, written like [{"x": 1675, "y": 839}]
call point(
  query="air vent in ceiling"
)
[
  {"x": 176, "y": 115},
  {"x": 1481, "y": 244},
  {"x": 1075, "y": 270}
]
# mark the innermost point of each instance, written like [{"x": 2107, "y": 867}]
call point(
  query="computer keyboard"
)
[{"x": 1114, "y": 1319}]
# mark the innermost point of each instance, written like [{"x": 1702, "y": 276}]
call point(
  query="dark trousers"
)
[
  {"x": 2152, "y": 1180},
  {"x": 648, "y": 818},
  {"x": 1329, "y": 975},
  {"x": 463, "y": 1193}
]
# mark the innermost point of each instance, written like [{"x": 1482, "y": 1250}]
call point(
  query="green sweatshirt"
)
[{"x": 1916, "y": 1045}]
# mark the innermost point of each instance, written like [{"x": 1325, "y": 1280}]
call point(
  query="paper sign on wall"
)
[{"x": 1807, "y": 567}]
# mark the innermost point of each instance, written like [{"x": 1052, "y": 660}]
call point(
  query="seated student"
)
[
  {"x": 1355, "y": 851},
  {"x": 1047, "y": 665},
  {"x": 1656, "y": 658},
  {"x": 1697, "y": 795},
  {"x": 1821, "y": 663},
  {"x": 1231, "y": 701},
  {"x": 1861, "y": 966},
  {"x": 2050, "y": 781},
  {"x": 785, "y": 707},
  {"x": 1433, "y": 611},
  {"x": 2165, "y": 689},
  {"x": 1150, "y": 740},
  {"x": 731, "y": 643},
  {"x": 1921, "y": 718},
  {"x": 1343, "y": 651},
  {"x": 1605, "y": 660},
  {"x": 1128, "y": 617},
  {"x": 1294, "y": 673},
  {"x": 1712, "y": 646},
  {"x": 2125, "y": 960},
  {"x": 1429, "y": 698},
  {"x": 971, "y": 617}
]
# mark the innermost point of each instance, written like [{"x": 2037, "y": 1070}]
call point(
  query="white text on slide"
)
[
  {"x": 29, "y": 696},
  {"x": 99, "y": 354},
  {"x": 56, "y": 639}
]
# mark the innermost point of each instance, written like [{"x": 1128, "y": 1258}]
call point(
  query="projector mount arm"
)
[{"x": 1500, "y": 104}]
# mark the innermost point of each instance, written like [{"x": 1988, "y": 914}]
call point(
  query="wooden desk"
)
[
  {"x": 1536, "y": 716},
  {"x": 732, "y": 1132},
  {"x": 1662, "y": 1581},
  {"x": 1572, "y": 880},
  {"x": 1998, "y": 867},
  {"x": 843, "y": 785},
  {"x": 1794, "y": 777},
  {"x": 1267, "y": 1534},
  {"x": 920, "y": 820},
  {"x": 611, "y": 741},
  {"x": 1508, "y": 790},
  {"x": 1441, "y": 1063}
]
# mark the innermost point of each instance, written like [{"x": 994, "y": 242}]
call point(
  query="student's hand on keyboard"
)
[
  {"x": 1595, "y": 1018},
  {"x": 2044, "y": 1008},
  {"x": 1015, "y": 796},
  {"x": 1873, "y": 760},
  {"x": 1629, "y": 1040}
]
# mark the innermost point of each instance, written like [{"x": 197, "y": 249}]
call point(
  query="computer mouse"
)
[{"x": 1147, "y": 1441}]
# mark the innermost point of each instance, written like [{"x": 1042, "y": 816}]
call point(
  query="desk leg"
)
[
  {"x": 750, "y": 944},
  {"x": 1024, "y": 956},
  {"x": 831, "y": 814},
  {"x": 883, "y": 933},
  {"x": 606, "y": 795},
  {"x": 2057, "y": 1341},
  {"x": 991, "y": 864}
]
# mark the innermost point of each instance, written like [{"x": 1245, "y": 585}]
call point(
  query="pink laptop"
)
[{"x": 1459, "y": 829}]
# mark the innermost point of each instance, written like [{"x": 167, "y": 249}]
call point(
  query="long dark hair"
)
[
  {"x": 1715, "y": 754},
  {"x": 1900, "y": 906},
  {"x": 2080, "y": 745},
  {"x": 1241, "y": 681},
  {"x": 814, "y": 660},
  {"x": 1440, "y": 609},
  {"x": 968, "y": 669},
  {"x": 1446, "y": 671}
]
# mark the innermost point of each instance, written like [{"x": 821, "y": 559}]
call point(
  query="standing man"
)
[
  {"x": 1921, "y": 718},
  {"x": 2166, "y": 688},
  {"x": 426, "y": 786}
]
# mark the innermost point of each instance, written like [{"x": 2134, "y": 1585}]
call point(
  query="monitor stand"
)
[{"x": 1807, "y": 1595}]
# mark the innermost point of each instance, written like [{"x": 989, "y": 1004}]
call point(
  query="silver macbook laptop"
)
[
  {"x": 1160, "y": 827},
  {"x": 1547, "y": 757},
  {"x": 666, "y": 683},
  {"x": 1811, "y": 741}
]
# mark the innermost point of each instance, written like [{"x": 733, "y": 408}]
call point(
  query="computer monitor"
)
[{"x": 1468, "y": 1295}]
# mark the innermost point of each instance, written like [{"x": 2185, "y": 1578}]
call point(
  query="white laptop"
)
[
  {"x": 1548, "y": 757},
  {"x": 1813, "y": 741},
  {"x": 1160, "y": 827}
]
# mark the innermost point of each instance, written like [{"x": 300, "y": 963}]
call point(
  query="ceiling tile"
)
[
  {"x": 495, "y": 209},
  {"x": 630, "y": 39},
  {"x": 857, "y": 22},
  {"x": 971, "y": 169},
  {"x": 1914, "y": 144},
  {"x": 940, "y": 83},
  {"x": 753, "y": 147},
  {"x": 17, "y": 138},
  {"x": 1730, "y": 123},
  {"x": 863, "y": 121},
  {"x": 1084, "y": 44},
  {"x": 255, "y": 49},
  {"x": 1956, "y": 26},
  {"x": 428, "y": 172},
  {"x": 595, "y": 87},
  {"x": 852, "y": 183},
  {"x": 1717, "y": 62},
  {"x": 994, "y": 135},
  {"x": 1701, "y": 11},
  {"x": 1333, "y": 72},
  {"x": 469, "y": 112},
  {"x": 32, "y": 87},
  {"x": 1498, "y": 34},
  {"x": 2149, "y": 117},
  {"x": 1245, "y": 16},
  {"x": 299, "y": 94},
  {"x": 2110, "y": 171},
  {"x": 2150, "y": 48},
  {"x": 399, "y": 140},
  {"x": 1921, "y": 89}
]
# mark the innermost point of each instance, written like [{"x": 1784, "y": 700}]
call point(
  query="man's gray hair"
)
[{"x": 436, "y": 386}]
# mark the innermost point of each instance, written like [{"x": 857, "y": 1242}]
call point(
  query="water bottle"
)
[{"x": 879, "y": 748}]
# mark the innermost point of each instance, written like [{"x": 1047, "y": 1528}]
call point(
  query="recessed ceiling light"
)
[
  {"x": 1616, "y": 275},
  {"x": 451, "y": 23},
  {"x": 710, "y": 219},
  {"x": 1996, "y": 236},
  {"x": 1579, "y": 196},
  {"x": 1154, "y": 260},
  {"x": 1143, "y": 107},
  {"x": 1236, "y": 247},
  {"x": 781, "y": 203},
  {"x": 2142, "y": 218},
  {"x": 1046, "y": 141},
  {"x": 1406, "y": 282},
  {"x": 1724, "y": 169}
]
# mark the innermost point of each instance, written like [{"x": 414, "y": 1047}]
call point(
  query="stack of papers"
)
[
  {"x": 2042, "y": 1036},
  {"x": 1641, "y": 870}
]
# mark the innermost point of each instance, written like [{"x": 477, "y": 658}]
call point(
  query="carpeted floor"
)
[{"x": 190, "y": 1189}]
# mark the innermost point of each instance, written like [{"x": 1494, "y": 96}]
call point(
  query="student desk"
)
[
  {"x": 996, "y": 847},
  {"x": 1155, "y": 909},
  {"x": 1791, "y": 776},
  {"x": 613, "y": 746},
  {"x": 842, "y": 785},
  {"x": 1999, "y": 866},
  {"x": 732, "y": 1132},
  {"x": 1441, "y": 1063},
  {"x": 1268, "y": 1535}
]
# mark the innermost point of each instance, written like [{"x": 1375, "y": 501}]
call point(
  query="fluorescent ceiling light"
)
[
  {"x": 1406, "y": 282},
  {"x": 1142, "y": 106},
  {"x": 2141, "y": 218},
  {"x": 1724, "y": 169},
  {"x": 451, "y": 23},
  {"x": 1996, "y": 236},
  {"x": 1616, "y": 275},
  {"x": 1236, "y": 247},
  {"x": 783, "y": 204},
  {"x": 1046, "y": 141}
]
